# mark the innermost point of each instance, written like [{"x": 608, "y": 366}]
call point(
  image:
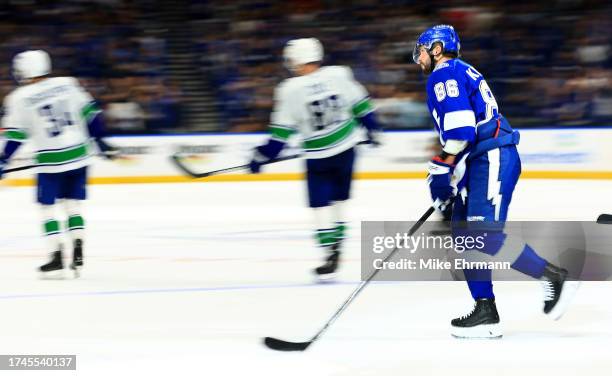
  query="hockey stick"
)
[
  {"x": 281, "y": 345},
  {"x": 605, "y": 219},
  {"x": 178, "y": 162},
  {"x": 15, "y": 169},
  {"x": 27, "y": 167}
]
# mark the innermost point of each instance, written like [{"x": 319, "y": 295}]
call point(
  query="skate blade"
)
[
  {"x": 567, "y": 295},
  {"x": 489, "y": 331},
  {"x": 54, "y": 275},
  {"x": 76, "y": 270},
  {"x": 326, "y": 278}
]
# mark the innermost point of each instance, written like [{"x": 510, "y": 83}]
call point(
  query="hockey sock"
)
[
  {"x": 76, "y": 223},
  {"x": 326, "y": 237},
  {"x": 51, "y": 228},
  {"x": 326, "y": 231},
  {"x": 530, "y": 263},
  {"x": 338, "y": 209},
  {"x": 340, "y": 230}
]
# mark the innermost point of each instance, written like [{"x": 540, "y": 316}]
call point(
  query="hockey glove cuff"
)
[{"x": 439, "y": 180}]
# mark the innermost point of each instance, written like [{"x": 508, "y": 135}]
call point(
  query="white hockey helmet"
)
[
  {"x": 302, "y": 51},
  {"x": 31, "y": 64}
]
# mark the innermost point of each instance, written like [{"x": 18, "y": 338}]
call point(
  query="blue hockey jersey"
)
[{"x": 459, "y": 100}]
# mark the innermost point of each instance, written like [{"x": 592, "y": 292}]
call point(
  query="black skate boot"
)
[
  {"x": 482, "y": 322},
  {"x": 558, "y": 291},
  {"x": 54, "y": 269},
  {"x": 77, "y": 258},
  {"x": 327, "y": 271}
]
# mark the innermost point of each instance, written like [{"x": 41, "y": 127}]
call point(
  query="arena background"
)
[{"x": 202, "y": 69}]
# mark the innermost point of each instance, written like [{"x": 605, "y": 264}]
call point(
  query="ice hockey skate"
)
[
  {"x": 54, "y": 269},
  {"x": 77, "y": 258},
  {"x": 328, "y": 271},
  {"x": 558, "y": 291},
  {"x": 481, "y": 322}
]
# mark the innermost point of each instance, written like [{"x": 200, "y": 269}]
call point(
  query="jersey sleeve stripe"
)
[
  {"x": 363, "y": 107},
  {"x": 459, "y": 119},
  {"x": 15, "y": 135},
  {"x": 281, "y": 133},
  {"x": 90, "y": 110}
]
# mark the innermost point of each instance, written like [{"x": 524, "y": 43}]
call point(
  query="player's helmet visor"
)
[{"x": 416, "y": 52}]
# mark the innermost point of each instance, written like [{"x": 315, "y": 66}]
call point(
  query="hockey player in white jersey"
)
[
  {"x": 59, "y": 117},
  {"x": 325, "y": 106}
]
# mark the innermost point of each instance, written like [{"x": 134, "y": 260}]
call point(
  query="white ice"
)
[{"x": 185, "y": 279}]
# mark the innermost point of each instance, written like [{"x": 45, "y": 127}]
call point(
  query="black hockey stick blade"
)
[
  {"x": 280, "y": 345},
  {"x": 605, "y": 219},
  {"x": 176, "y": 159}
]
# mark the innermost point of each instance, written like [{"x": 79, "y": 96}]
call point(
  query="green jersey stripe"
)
[
  {"x": 281, "y": 133},
  {"x": 15, "y": 135},
  {"x": 89, "y": 111},
  {"x": 362, "y": 108},
  {"x": 332, "y": 138},
  {"x": 63, "y": 156}
]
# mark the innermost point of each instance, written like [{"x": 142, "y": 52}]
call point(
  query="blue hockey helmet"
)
[{"x": 444, "y": 34}]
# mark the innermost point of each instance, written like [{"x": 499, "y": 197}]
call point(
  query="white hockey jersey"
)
[
  {"x": 322, "y": 107},
  {"x": 52, "y": 114}
]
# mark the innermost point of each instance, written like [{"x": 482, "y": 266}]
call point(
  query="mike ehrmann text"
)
[{"x": 438, "y": 264}]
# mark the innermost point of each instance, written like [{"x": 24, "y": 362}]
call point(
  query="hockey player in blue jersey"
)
[{"x": 480, "y": 157}]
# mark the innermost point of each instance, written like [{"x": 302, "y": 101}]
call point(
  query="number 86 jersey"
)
[
  {"x": 324, "y": 107},
  {"x": 459, "y": 100},
  {"x": 52, "y": 114}
]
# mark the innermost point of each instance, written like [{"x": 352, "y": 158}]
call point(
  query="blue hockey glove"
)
[
  {"x": 108, "y": 152},
  {"x": 257, "y": 160},
  {"x": 255, "y": 167},
  {"x": 439, "y": 180}
]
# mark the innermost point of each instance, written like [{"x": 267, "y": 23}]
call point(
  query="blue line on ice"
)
[{"x": 174, "y": 290}]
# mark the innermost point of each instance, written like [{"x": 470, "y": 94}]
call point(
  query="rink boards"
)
[{"x": 546, "y": 154}]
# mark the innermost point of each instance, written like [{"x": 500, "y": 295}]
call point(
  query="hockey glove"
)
[
  {"x": 439, "y": 180},
  {"x": 264, "y": 154},
  {"x": 107, "y": 151},
  {"x": 257, "y": 160},
  {"x": 255, "y": 167},
  {"x": 374, "y": 139}
]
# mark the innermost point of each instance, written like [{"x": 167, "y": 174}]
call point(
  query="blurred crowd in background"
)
[
  {"x": 103, "y": 45},
  {"x": 547, "y": 62}
]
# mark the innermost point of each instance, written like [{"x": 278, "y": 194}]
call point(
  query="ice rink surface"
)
[{"x": 185, "y": 279}]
